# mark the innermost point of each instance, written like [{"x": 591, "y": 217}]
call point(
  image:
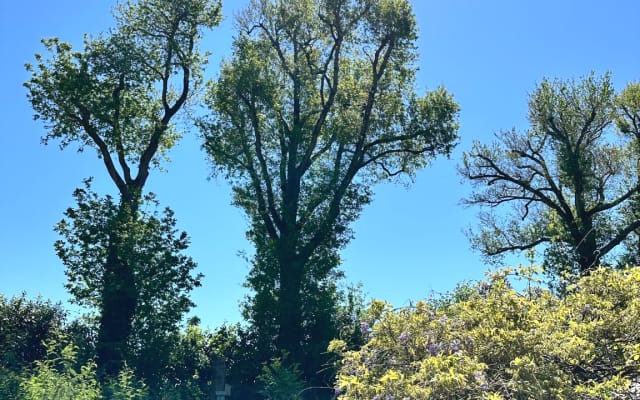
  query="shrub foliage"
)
[{"x": 499, "y": 343}]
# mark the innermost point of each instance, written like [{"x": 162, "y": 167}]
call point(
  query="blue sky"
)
[{"x": 408, "y": 243}]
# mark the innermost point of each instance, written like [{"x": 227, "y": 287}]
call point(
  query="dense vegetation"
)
[
  {"x": 120, "y": 96},
  {"x": 315, "y": 106},
  {"x": 490, "y": 341}
]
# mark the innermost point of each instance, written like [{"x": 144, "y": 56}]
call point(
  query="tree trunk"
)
[
  {"x": 119, "y": 299},
  {"x": 587, "y": 249},
  {"x": 119, "y": 296},
  {"x": 289, "y": 318}
]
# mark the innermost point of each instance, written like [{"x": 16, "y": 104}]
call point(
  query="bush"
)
[
  {"x": 10, "y": 384},
  {"x": 24, "y": 325},
  {"x": 496, "y": 342},
  {"x": 57, "y": 377},
  {"x": 281, "y": 382}
]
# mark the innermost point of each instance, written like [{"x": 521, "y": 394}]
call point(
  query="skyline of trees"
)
[{"x": 316, "y": 105}]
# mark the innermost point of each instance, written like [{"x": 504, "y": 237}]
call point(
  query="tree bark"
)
[
  {"x": 289, "y": 317},
  {"x": 119, "y": 294},
  {"x": 587, "y": 249},
  {"x": 119, "y": 299}
]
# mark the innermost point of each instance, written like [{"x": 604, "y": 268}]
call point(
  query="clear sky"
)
[{"x": 408, "y": 243}]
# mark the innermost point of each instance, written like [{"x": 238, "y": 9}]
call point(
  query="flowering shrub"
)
[{"x": 498, "y": 343}]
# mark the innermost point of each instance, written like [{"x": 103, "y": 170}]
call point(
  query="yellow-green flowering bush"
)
[{"x": 500, "y": 343}]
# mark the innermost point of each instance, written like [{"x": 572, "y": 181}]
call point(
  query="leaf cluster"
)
[
  {"x": 499, "y": 343},
  {"x": 118, "y": 95},
  {"x": 24, "y": 325},
  {"x": 318, "y": 100},
  {"x": 152, "y": 247}
]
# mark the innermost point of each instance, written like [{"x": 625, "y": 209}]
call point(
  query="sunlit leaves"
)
[
  {"x": 58, "y": 377},
  {"x": 500, "y": 343},
  {"x": 120, "y": 93},
  {"x": 316, "y": 105},
  {"x": 629, "y": 103}
]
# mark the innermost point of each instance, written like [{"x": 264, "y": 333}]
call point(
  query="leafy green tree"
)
[
  {"x": 120, "y": 96},
  {"x": 152, "y": 248},
  {"x": 315, "y": 106},
  {"x": 329, "y": 311},
  {"x": 567, "y": 178},
  {"x": 321, "y": 304}
]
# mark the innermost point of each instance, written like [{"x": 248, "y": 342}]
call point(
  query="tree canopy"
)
[
  {"x": 120, "y": 96},
  {"x": 317, "y": 104},
  {"x": 568, "y": 179},
  {"x": 162, "y": 274}
]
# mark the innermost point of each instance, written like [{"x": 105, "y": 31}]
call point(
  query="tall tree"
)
[
  {"x": 567, "y": 178},
  {"x": 316, "y": 105},
  {"x": 328, "y": 311},
  {"x": 119, "y": 96}
]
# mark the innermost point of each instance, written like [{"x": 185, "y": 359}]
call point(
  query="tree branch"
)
[{"x": 85, "y": 121}]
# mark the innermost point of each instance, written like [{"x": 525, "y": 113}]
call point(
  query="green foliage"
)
[
  {"x": 58, "y": 377},
  {"x": 245, "y": 349},
  {"x": 120, "y": 96},
  {"x": 628, "y": 120},
  {"x": 162, "y": 275},
  {"x": 125, "y": 387},
  {"x": 10, "y": 384},
  {"x": 281, "y": 382},
  {"x": 191, "y": 368},
  {"x": 316, "y": 104},
  {"x": 25, "y": 325},
  {"x": 61, "y": 372},
  {"x": 463, "y": 291},
  {"x": 570, "y": 180},
  {"x": 242, "y": 350},
  {"x": 328, "y": 311},
  {"x": 188, "y": 375},
  {"x": 497, "y": 343}
]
